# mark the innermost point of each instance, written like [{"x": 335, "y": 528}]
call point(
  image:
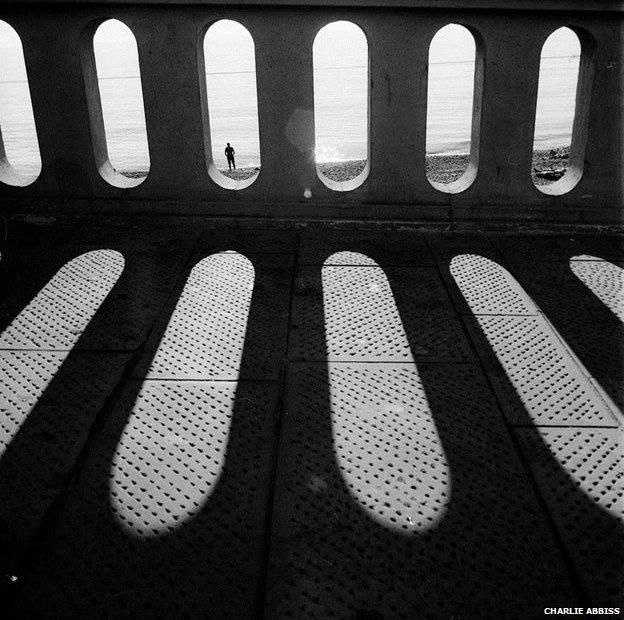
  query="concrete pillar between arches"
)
[
  {"x": 168, "y": 54},
  {"x": 285, "y": 83},
  {"x": 599, "y": 121},
  {"x": 398, "y": 110},
  {"x": 53, "y": 48},
  {"x": 511, "y": 73}
]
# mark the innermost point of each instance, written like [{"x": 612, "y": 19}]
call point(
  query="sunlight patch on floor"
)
[
  {"x": 52, "y": 322},
  {"x": 386, "y": 444},
  {"x": 604, "y": 279},
  {"x": 173, "y": 448},
  {"x": 553, "y": 387},
  {"x": 59, "y": 314}
]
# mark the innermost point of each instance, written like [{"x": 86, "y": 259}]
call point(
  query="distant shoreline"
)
[{"x": 440, "y": 168}]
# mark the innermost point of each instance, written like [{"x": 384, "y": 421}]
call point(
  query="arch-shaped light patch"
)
[
  {"x": 172, "y": 450},
  {"x": 60, "y": 312},
  {"x": 386, "y": 443},
  {"x": 53, "y": 321},
  {"x": 604, "y": 279},
  {"x": 206, "y": 332},
  {"x": 549, "y": 380}
]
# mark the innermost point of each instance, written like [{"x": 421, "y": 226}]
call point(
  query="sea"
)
[{"x": 341, "y": 115}]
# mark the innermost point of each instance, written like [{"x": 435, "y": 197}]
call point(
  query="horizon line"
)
[{"x": 131, "y": 77}]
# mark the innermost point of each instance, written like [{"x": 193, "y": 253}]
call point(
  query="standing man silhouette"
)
[{"x": 229, "y": 153}]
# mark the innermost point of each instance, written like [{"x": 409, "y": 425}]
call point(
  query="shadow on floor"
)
[{"x": 471, "y": 537}]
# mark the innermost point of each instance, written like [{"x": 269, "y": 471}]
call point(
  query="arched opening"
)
[
  {"x": 453, "y": 109},
  {"x": 20, "y": 160},
  {"x": 116, "y": 109},
  {"x": 230, "y": 105},
  {"x": 557, "y": 162},
  {"x": 341, "y": 93}
]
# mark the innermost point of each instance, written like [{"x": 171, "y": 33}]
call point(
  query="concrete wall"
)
[
  {"x": 498, "y": 5},
  {"x": 56, "y": 41}
]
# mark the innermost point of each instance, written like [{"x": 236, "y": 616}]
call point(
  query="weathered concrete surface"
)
[
  {"x": 169, "y": 43},
  {"x": 240, "y": 423},
  {"x": 508, "y": 5}
]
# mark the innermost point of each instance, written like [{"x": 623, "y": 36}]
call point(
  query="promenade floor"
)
[{"x": 320, "y": 422}]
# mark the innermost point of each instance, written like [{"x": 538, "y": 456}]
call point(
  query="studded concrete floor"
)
[{"x": 309, "y": 423}]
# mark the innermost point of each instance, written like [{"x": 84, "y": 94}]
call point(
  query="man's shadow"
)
[{"x": 306, "y": 548}]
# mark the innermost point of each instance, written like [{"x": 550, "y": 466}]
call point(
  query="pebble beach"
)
[{"x": 547, "y": 166}]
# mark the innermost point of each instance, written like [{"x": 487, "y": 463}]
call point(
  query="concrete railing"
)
[{"x": 509, "y": 37}]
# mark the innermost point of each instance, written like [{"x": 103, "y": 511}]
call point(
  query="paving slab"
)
[
  {"x": 585, "y": 321},
  {"x": 579, "y": 474},
  {"x": 393, "y": 379},
  {"x": 519, "y": 249},
  {"x": 230, "y": 305},
  {"x": 256, "y": 241},
  {"x": 399, "y": 495},
  {"x": 616, "y": 239},
  {"x": 605, "y": 280},
  {"x": 344, "y": 246},
  {"x": 365, "y": 314},
  {"x": 481, "y": 284},
  {"x": 48, "y": 404},
  {"x": 30, "y": 243},
  {"x": 534, "y": 375},
  {"x": 612, "y": 390},
  {"x": 61, "y": 311},
  {"x": 457, "y": 241},
  {"x": 98, "y": 300},
  {"x": 168, "y": 517}
]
